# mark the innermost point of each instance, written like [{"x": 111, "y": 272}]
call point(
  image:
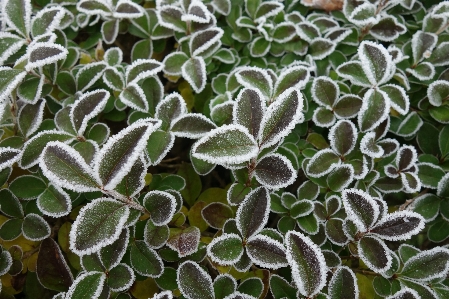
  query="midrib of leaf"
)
[
  {"x": 274, "y": 125},
  {"x": 103, "y": 220}
]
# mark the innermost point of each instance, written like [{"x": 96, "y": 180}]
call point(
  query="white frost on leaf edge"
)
[
  {"x": 203, "y": 74},
  {"x": 329, "y": 51},
  {"x": 365, "y": 106},
  {"x": 196, "y": 233},
  {"x": 55, "y": 23},
  {"x": 368, "y": 263},
  {"x": 416, "y": 202},
  {"x": 246, "y": 84},
  {"x": 429, "y": 252},
  {"x": 367, "y": 21},
  {"x": 404, "y": 123},
  {"x": 163, "y": 295},
  {"x": 195, "y": 18},
  {"x": 401, "y": 214},
  {"x": 273, "y": 12},
  {"x": 141, "y": 95},
  {"x": 108, "y": 53},
  {"x": 62, "y": 182},
  {"x": 121, "y": 254},
  {"x": 316, "y": 99},
  {"x": 318, "y": 155},
  {"x": 261, "y": 103},
  {"x": 370, "y": 137},
  {"x": 216, "y": 259},
  {"x": 339, "y": 269},
  {"x": 239, "y": 295},
  {"x": 351, "y": 213},
  {"x": 12, "y": 48},
  {"x": 404, "y": 291},
  {"x": 85, "y": 68},
  {"x": 168, "y": 57},
  {"x": 420, "y": 76},
  {"x": 122, "y": 15},
  {"x": 129, "y": 283},
  {"x": 351, "y": 77},
  {"x": 172, "y": 210},
  {"x": 332, "y": 139},
  {"x": 9, "y": 162},
  {"x": 294, "y": 265},
  {"x": 47, "y": 227},
  {"x": 190, "y": 135},
  {"x": 94, "y": 112},
  {"x": 413, "y": 160},
  {"x": 278, "y": 185},
  {"x": 143, "y": 74},
  {"x": 109, "y": 83},
  {"x": 12, "y": 84},
  {"x": 312, "y": 197},
  {"x": 166, "y": 24},
  {"x": 350, "y": 169},
  {"x": 290, "y": 69},
  {"x": 51, "y": 59},
  {"x": 318, "y": 122},
  {"x": 73, "y": 231},
  {"x": 55, "y": 215},
  {"x": 202, "y": 272},
  {"x": 27, "y": 17},
  {"x": 226, "y": 275},
  {"x": 99, "y": 287},
  {"x": 407, "y": 187},
  {"x": 139, "y": 148},
  {"x": 271, "y": 242},
  {"x": 431, "y": 88},
  {"x": 226, "y": 159},
  {"x": 166, "y": 101},
  {"x": 404, "y": 95},
  {"x": 208, "y": 44},
  {"x": 242, "y": 206}
]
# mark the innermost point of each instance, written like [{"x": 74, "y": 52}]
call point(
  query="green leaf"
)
[
  {"x": 30, "y": 89},
  {"x": 194, "y": 72},
  {"x": 343, "y": 137},
  {"x": 382, "y": 286},
  {"x": 254, "y": 77},
  {"x": 11, "y": 229},
  {"x": 27, "y": 187},
  {"x": 51, "y": 267},
  {"x": 86, "y": 107},
  {"x": 259, "y": 47},
  {"x": 145, "y": 260},
  {"x": 335, "y": 231},
  {"x": 376, "y": 62},
  {"x": 35, "y": 228},
  {"x": 275, "y": 171},
  {"x": 224, "y": 285},
  {"x": 266, "y": 252},
  {"x": 170, "y": 16},
  {"x": 155, "y": 236},
  {"x": 226, "y": 249},
  {"x": 295, "y": 76},
  {"x": 440, "y": 114},
  {"x": 18, "y": 15},
  {"x": 202, "y": 40},
  {"x": 353, "y": 71},
  {"x": 120, "y": 278},
  {"x": 10, "y": 205},
  {"x": 443, "y": 141},
  {"x": 9, "y": 44},
  {"x": 439, "y": 231},
  {"x": 399, "y": 100},
  {"x": 98, "y": 224},
  {"x": 194, "y": 282},
  {"x": 109, "y": 31},
  {"x": 422, "y": 43},
  {"x": 252, "y": 286},
  {"x": 340, "y": 177},
  {"x": 439, "y": 55},
  {"x": 173, "y": 63},
  {"x": 161, "y": 206},
  {"x": 216, "y": 214},
  {"x": 427, "y": 205},
  {"x": 430, "y": 175},
  {"x": 325, "y": 91},
  {"x": 193, "y": 183},
  {"x": 11, "y": 78},
  {"x": 159, "y": 144},
  {"x": 249, "y": 110},
  {"x": 321, "y": 47},
  {"x": 347, "y": 106},
  {"x": 410, "y": 125},
  {"x": 374, "y": 253},
  {"x": 431, "y": 145},
  {"x": 374, "y": 109},
  {"x": 427, "y": 264},
  {"x": 193, "y": 125},
  {"x": 322, "y": 163},
  {"x": 307, "y": 263},
  {"x": 167, "y": 281},
  {"x": 343, "y": 284},
  {"x": 89, "y": 74},
  {"x": 252, "y": 214},
  {"x": 87, "y": 284},
  {"x": 280, "y": 288}
]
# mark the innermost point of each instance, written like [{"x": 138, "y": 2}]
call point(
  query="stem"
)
[{"x": 365, "y": 272}]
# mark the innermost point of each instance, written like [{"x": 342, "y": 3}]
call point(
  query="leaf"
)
[
  {"x": 361, "y": 208},
  {"x": 341, "y": 177},
  {"x": 399, "y": 100},
  {"x": 121, "y": 278},
  {"x": 121, "y": 151},
  {"x": 30, "y": 118},
  {"x": 439, "y": 55},
  {"x": 35, "y": 228},
  {"x": 406, "y": 157},
  {"x": 193, "y": 125},
  {"x": 249, "y": 110},
  {"x": 194, "y": 72},
  {"x": 259, "y": 47},
  {"x": 422, "y": 45},
  {"x": 325, "y": 91},
  {"x": 410, "y": 125},
  {"x": 196, "y": 12},
  {"x": 87, "y": 284},
  {"x": 134, "y": 181},
  {"x": 405, "y": 293},
  {"x": 184, "y": 241},
  {"x": 291, "y": 77},
  {"x": 173, "y": 63},
  {"x": 343, "y": 284},
  {"x": 99, "y": 223},
  {"x": 216, "y": 213},
  {"x": 142, "y": 68},
  {"x": 194, "y": 282},
  {"x": 252, "y": 286},
  {"x": 374, "y": 253},
  {"x": 322, "y": 163},
  {"x": 155, "y": 236},
  {"x": 438, "y": 92},
  {"x": 111, "y": 255},
  {"x": 27, "y": 187},
  {"x": 252, "y": 214},
  {"x": 353, "y": 71},
  {"x": 66, "y": 168},
  {"x": 169, "y": 16},
  {"x": 18, "y": 15},
  {"x": 10, "y": 205},
  {"x": 144, "y": 260},
  {"x": 347, "y": 106},
  {"x": 201, "y": 41},
  {"x": 89, "y": 74},
  {"x": 30, "y": 90},
  {"x": 193, "y": 183},
  {"x": 93, "y": 7},
  {"x": 9, "y": 44},
  {"x": 89, "y": 105},
  {"x": 280, "y": 288},
  {"x": 427, "y": 265},
  {"x": 51, "y": 267},
  {"x": 11, "y": 229},
  {"x": 334, "y": 229},
  {"x": 423, "y": 71},
  {"x": 229, "y": 144},
  {"x": 226, "y": 249},
  {"x": 429, "y": 175},
  {"x": 266, "y": 252},
  {"x": 54, "y": 202},
  {"x": 321, "y": 47},
  {"x": 257, "y": 78},
  {"x": 8, "y": 156},
  {"x": 307, "y": 263},
  {"x": 281, "y": 117},
  {"x": 374, "y": 110},
  {"x": 161, "y": 206},
  {"x": 133, "y": 96},
  {"x": 343, "y": 137},
  {"x": 399, "y": 226},
  {"x": 275, "y": 171},
  {"x": 387, "y": 29},
  {"x": 11, "y": 78},
  {"x": 127, "y": 9},
  {"x": 158, "y": 145},
  {"x": 44, "y": 53}
]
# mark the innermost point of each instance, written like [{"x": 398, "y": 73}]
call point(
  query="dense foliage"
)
[{"x": 224, "y": 149}]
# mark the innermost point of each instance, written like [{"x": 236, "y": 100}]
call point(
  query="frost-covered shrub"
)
[{"x": 224, "y": 149}]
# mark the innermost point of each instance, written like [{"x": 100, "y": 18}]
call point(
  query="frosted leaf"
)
[
  {"x": 322, "y": 163},
  {"x": 89, "y": 74},
  {"x": 307, "y": 263},
  {"x": 323, "y": 117},
  {"x": 369, "y": 147},
  {"x": 111, "y": 255},
  {"x": 114, "y": 79},
  {"x": 275, "y": 171},
  {"x": 30, "y": 117},
  {"x": 439, "y": 55},
  {"x": 254, "y": 77},
  {"x": 170, "y": 108},
  {"x": 163, "y": 295},
  {"x": 230, "y": 144},
  {"x": 47, "y": 20},
  {"x": 54, "y": 202},
  {"x": 142, "y": 68},
  {"x": 197, "y": 12},
  {"x": 8, "y": 156},
  {"x": 353, "y": 71},
  {"x": 125, "y": 9},
  {"x": 387, "y": 29},
  {"x": 411, "y": 182},
  {"x": 161, "y": 206},
  {"x": 361, "y": 208},
  {"x": 325, "y": 91},
  {"x": 133, "y": 96},
  {"x": 145, "y": 261},
  {"x": 281, "y": 117},
  {"x": 201, "y": 41},
  {"x": 343, "y": 284},
  {"x": 65, "y": 167},
  {"x": 293, "y": 76},
  {"x": 193, "y": 126},
  {"x": 226, "y": 249},
  {"x": 35, "y": 228},
  {"x": 406, "y": 157},
  {"x": 421, "y": 43},
  {"x": 259, "y": 47},
  {"x": 185, "y": 241},
  {"x": 399, "y": 226},
  {"x": 405, "y": 293},
  {"x": 374, "y": 253},
  {"x": 194, "y": 282},
  {"x": 427, "y": 265},
  {"x": 86, "y": 107},
  {"x": 17, "y": 16},
  {"x": 98, "y": 224},
  {"x": 307, "y": 31},
  {"x": 437, "y": 92},
  {"x": 252, "y": 214},
  {"x": 399, "y": 100},
  {"x": 376, "y": 62},
  {"x": 113, "y": 56},
  {"x": 94, "y": 7},
  {"x": 321, "y": 47},
  {"x": 442, "y": 9},
  {"x": 11, "y": 43},
  {"x": 337, "y": 34},
  {"x": 121, "y": 151},
  {"x": 40, "y": 54},
  {"x": 10, "y": 79},
  {"x": 308, "y": 190},
  {"x": 109, "y": 31},
  {"x": 266, "y": 252},
  {"x": 343, "y": 137},
  {"x": 364, "y": 14},
  {"x": 194, "y": 72},
  {"x": 169, "y": 16},
  {"x": 374, "y": 110},
  {"x": 423, "y": 71},
  {"x": 249, "y": 110},
  {"x": 87, "y": 284},
  {"x": 267, "y": 9},
  {"x": 341, "y": 177},
  {"x": 239, "y": 295}
]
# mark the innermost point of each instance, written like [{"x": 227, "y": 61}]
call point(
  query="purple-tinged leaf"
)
[
  {"x": 320, "y": 48},
  {"x": 125, "y": 9},
  {"x": 307, "y": 263},
  {"x": 325, "y": 91},
  {"x": 374, "y": 110},
  {"x": 252, "y": 214},
  {"x": 374, "y": 253},
  {"x": 322, "y": 163},
  {"x": 99, "y": 223},
  {"x": 193, "y": 126},
  {"x": 254, "y": 77},
  {"x": 307, "y": 31},
  {"x": 427, "y": 265},
  {"x": 194, "y": 282},
  {"x": 216, "y": 213},
  {"x": 343, "y": 284},
  {"x": 169, "y": 16},
  {"x": 87, "y": 106},
  {"x": 335, "y": 232},
  {"x": 347, "y": 106},
  {"x": 222, "y": 6},
  {"x": 343, "y": 137},
  {"x": 275, "y": 171},
  {"x": 185, "y": 241},
  {"x": 30, "y": 118},
  {"x": 267, "y": 9},
  {"x": 11, "y": 78},
  {"x": 406, "y": 157},
  {"x": 388, "y": 29},
  {"x": 399, "y": 225},
  {"x": 226, "y": 249},
  {"x": 94, "y": 7},
  {"x": 422, "y": 45},
  {"x": 341, "y": 177},
  {"x": 89, "y": 74},
  {"x": 323, "y": 117},
  {"x": 293, "y": 76},
  {"x": 194, "y": 72},
  {"x": 439, "y": 55},
  {"x": 201, "y": 41},
  {"x": 133, "y": 96},
  {"x": 361, "y": 208},
  {"x": 42, "y": 53},
  {"x": 266, "y": 252},
  {"x": 161, "y": 206},
  {"x": 423, "y": 71},
  {"x": 197, "y": 12},
  {"x": 405, "y": 293},
  {"x": 8, "y": 156},
  {"x": 35, "y": 228},
  {"x": 249, "y": 110}
]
